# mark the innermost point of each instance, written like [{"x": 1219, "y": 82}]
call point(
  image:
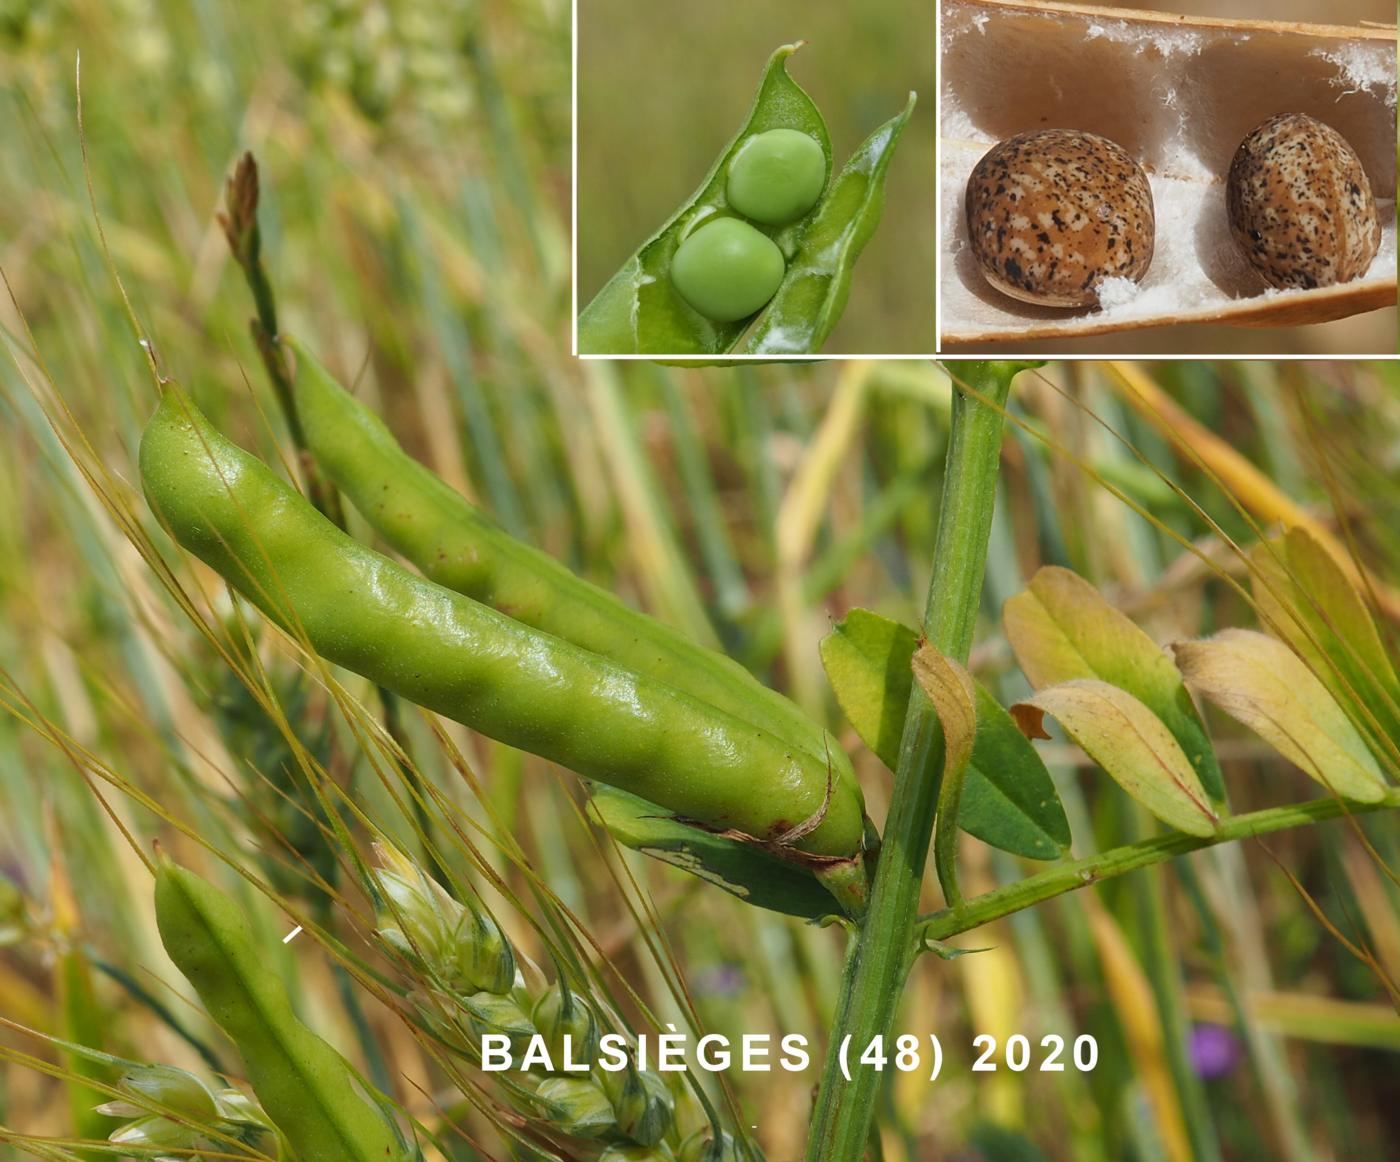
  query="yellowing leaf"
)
[
  {"x": 1305, "y": 599},
  {"x": 1062, "y": 629},
  {"x": 949, "y": 687},
  {"x": 1129, "y": 742},
  {"x": 1262, "y": 683}
]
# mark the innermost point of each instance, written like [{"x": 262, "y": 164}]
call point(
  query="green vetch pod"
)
[
  {"x": 772, "y": 175},
  {"x": 462, "y": 659},
  {"x": 455, "y": 544},
  {"x": 640, "y": 310},
  {"x": 727, "y": 270},
  {"x": 777, "y": 176},
  {"x": 309, "y": 1091}
]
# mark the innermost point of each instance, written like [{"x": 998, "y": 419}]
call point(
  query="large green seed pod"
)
[{"x": 462, "y": 659}]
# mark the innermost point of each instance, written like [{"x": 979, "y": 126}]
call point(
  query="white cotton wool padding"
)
[{"x": 1179, "y": 96}]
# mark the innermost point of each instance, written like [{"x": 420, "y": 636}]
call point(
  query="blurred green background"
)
[{"x": 663, "y": 87}]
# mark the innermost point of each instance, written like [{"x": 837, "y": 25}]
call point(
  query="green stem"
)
[
  {"x": 880, "y": 957},
  {"x": 1067, "y": 877}
]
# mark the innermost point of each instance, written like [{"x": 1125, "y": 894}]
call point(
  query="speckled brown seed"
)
[
  {"x": 1053, "y": 213},
  {"x": 1300, "y": 204}
]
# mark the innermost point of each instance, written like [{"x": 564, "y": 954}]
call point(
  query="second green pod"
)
[{"x": 453, "y": 542}]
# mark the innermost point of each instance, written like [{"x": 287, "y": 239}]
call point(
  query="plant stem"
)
[
  {"x": 879, "y": 957},
  {"x": 240, "y": 222},
  {"x": 1080, "y": 873}
]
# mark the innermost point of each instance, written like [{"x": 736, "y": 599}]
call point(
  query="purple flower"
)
[
  {"x": 1214, "y": 1051},
  {"x": 722, "y": 980}
]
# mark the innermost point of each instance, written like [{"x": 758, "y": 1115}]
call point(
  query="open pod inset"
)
[{"x": 1179, "y": 95}]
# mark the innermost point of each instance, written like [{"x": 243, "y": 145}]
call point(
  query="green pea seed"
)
[
  {"x": 777, "y": 176},
  {"x": 727, "y": 270}
]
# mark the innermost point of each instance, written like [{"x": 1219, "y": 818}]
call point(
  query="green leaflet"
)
[
  {"x": 869, "y": 660},
  {"x": 1062, "y": 629},
  {"x": 1008, "y": 798},
  {"x": 639, "y": 310},
  {"x": 741, "y": 869},
  {"x": 813, "y": 294}
]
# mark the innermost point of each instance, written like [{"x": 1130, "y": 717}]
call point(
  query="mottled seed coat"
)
[
  {"x": 1053, "y": 213},
  {"x": 1300, "y": 204}
]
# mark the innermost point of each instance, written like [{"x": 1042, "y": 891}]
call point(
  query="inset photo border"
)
[
  {"x": 753, "y": 182},
  {"x": 1151, "y": 182}
]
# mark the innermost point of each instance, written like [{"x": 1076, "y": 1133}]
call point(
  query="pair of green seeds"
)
[
  {"x": 725, "y": 268},
  {"x": 501, "y": 637}
]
